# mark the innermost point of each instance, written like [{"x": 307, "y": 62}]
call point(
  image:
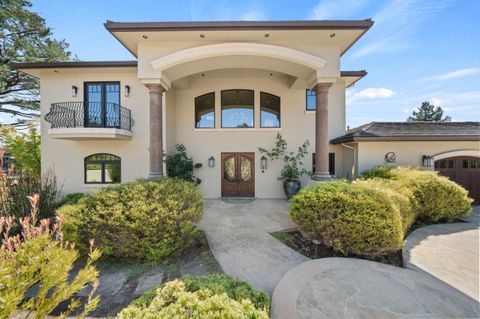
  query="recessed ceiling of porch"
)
[
  {"x": 297, "y": 64},
  {"x": 294, "y": 71}
]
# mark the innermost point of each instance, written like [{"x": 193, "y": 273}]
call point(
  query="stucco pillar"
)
[
  {"x": 321, "y": 132},
  {"x": 156, "y": 130}
]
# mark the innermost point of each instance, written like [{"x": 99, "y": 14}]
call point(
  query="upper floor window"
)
[
  {"x": 102, "y": 169},
  {"x": 311, "y": 100},
  {"x": 269, "y": 110},
  {"x": 237, "y": 108},
  {"x": 205, "y": 111},
  {"x": 102, "y": 104}
]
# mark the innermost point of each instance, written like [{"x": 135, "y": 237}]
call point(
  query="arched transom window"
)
[
  {"x": 269, "y": 110},
  {"x": 237, "y": 109},
  {"x": 102, "y": 169}
]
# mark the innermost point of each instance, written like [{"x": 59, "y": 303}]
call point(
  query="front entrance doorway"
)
[{"x": 238, "y": 174}]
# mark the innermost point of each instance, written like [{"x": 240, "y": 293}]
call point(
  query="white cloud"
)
[
  {"x": 337, "y": 9},
  {"x": 373, "y": 93},
  {"x": 395, "y": 22},
  {"x": 222, "y": 10},
  {"x": 436, "y": 101},
  {"x": 452, "y": 75},
  {"x": 253, "y": 15}
]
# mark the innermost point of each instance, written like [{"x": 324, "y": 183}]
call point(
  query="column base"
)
[
  {"x": 321, "y": 176},
  {"x": 154, "y": 175}
]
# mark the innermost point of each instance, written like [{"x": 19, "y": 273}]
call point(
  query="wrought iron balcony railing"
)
[{"x": 89, "y": 114}]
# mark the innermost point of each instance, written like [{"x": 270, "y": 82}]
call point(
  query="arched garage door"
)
[{"x": 463, "y": 170}]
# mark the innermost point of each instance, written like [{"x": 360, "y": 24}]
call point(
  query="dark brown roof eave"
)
[
  {"x": 440, "y": 138},
  {"x": 239, "y": 25},
  {"x": 72, "y": 64}
]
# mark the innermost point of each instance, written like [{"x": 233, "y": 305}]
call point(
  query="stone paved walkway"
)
[
  {"x": 449, "y": 252},
  {"x": 354, "y": 288},
  {"x": 238, "y": 235}
]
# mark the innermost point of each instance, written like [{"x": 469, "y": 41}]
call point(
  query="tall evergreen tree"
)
[
  {"x": 24, "y": 37},
  {"x": 428, "y": 113}
]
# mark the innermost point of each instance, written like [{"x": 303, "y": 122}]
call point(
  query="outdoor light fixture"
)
[
  {"x": 263, "y": 163},
  {"x": 211, "y": 161},
  {"x": 74, "y": 90},
  {"x": 127, "y": 90},
  {"x": 427, "y": 161}
]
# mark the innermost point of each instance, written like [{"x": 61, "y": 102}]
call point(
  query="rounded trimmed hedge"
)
[
  {"x": 350, "y": 218},
  {"x": 173, "y": 300},
  {"x": 370, "y": 216},
  {"x": 144, "y": 220},
  {"x": 434, "y": 198},
  {"x": 217, "y": 284},
  {"x": 400, "y": 198}
]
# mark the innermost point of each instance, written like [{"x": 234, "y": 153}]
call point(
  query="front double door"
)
[{"x": 238, "y": 174}]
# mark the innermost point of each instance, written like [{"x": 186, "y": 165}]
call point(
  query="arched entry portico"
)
[{"x": 305, "y": 70}]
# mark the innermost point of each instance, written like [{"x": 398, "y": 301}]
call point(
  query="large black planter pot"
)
[{"x": 291, "y": 187}]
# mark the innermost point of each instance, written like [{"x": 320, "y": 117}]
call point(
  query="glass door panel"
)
[
  {"x": 93, "y": 106},
  {"x": 102, "y": 107},
  {"x": 112, "y": 104}
]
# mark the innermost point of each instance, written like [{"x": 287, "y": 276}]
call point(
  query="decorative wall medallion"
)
[{"x": 390, "y": 157}]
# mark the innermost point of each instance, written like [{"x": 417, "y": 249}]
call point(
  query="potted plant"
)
[{"x": 293, "y": 165}]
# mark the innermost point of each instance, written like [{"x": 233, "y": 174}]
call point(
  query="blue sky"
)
[{"x": 418, "y": 50}]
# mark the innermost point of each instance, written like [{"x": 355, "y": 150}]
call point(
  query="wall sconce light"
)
[
  {"x": 127, "y": 90},
  {"x": 263, "y": 163},
  {"x": 211, "y": 161},
  {"x": 427, "y": 161},
  {"x": 74, "y": 90}
]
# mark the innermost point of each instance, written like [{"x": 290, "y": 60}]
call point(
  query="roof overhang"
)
[
  {"x": 432, "y": 138},
  {"x": 343, "y": 33},
  {"x": 36, "y": 69},
  {"x": 352, "y": 77}
]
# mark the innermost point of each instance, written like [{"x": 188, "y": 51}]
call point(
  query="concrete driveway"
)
[
  {"x": 238, "y": 235},
  {"x": 448, "y": 252}
]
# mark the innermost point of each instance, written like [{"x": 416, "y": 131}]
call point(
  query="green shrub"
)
[
  {"x": 399, "y": 196},
  {"x": 34, "y": 269},
  {"x": 435, "y": 198},
  {"x": 14, "y": 191},
  {"x": 71, "y": 199},
  {"x": 350, "y": 218},
  {"x": 143, "y": 220},
  {"x": 218, "y": 284},
  {"x": 179, "y": 165},
  {"x": 378, "y": 172},
  {"x": 173, "y": 300}
]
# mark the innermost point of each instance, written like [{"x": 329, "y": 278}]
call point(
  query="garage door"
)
[{"x": 463, "y": 170}]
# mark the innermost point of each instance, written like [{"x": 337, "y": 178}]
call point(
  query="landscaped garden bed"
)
[
  {"x": 123, "y": 282},
  {"x": 370, "y": 217},
  {"x": 296, "y": 241}
]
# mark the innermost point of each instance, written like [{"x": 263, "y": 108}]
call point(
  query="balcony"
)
[{"x": 89, "y": 120}]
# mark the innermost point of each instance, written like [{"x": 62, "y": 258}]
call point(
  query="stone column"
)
[
  {"x": 156, "y": 130},
  {"x": 321, "y": 133}
]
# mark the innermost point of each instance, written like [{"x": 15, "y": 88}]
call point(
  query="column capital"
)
[
  {"x": 322, "y": 87},
  {"x": 154, "y": 87}
]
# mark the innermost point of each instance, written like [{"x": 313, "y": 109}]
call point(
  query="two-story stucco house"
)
[{"x": 222, "y": 89}]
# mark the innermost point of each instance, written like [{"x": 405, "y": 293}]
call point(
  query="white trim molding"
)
[
  {"x": 455, "y": 153},
  {"x": 238, "y": 48},
  {"x": 89, "y": 133}
]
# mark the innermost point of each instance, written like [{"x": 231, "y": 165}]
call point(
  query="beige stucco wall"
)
[
  {"x": 66, "y": 157},
  {"x": 149, "y": 52},
  {"x": 371, "y": 154},
  {"x": 297, "y": 125}
]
